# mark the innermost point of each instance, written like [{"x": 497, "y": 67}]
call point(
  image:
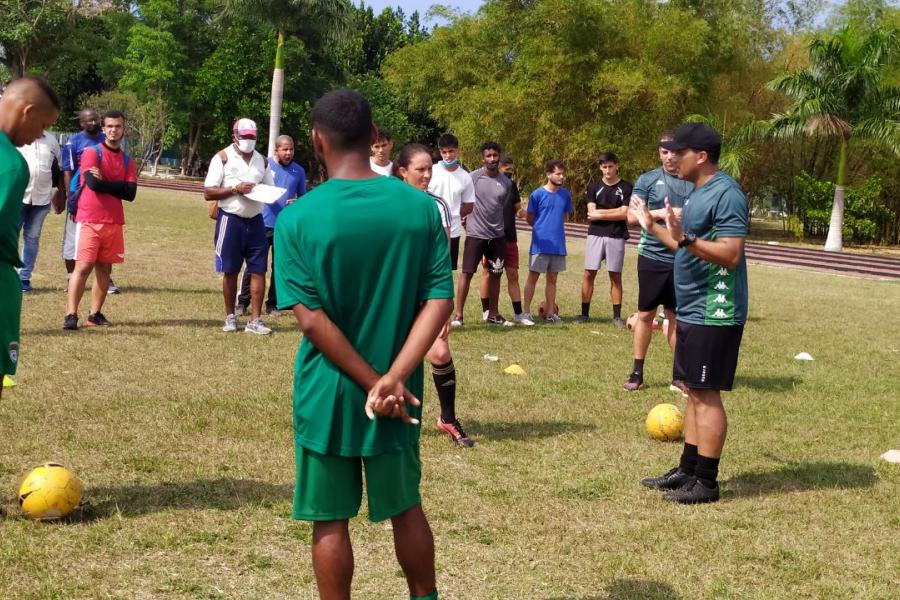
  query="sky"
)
[{"x": 409, "y": 6}]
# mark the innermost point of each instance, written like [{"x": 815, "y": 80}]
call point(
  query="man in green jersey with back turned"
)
[
  {"x": 711, "y": 289},
  {"x": 364, "y": 265},
  {"x": 27, "y": 106}
]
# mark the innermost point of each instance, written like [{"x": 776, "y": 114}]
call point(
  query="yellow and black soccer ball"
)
[
  {"x": 665, "y": 423},
  {"x": 49, "y": 492}
]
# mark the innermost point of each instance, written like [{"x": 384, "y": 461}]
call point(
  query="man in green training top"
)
[
  {"x": 27, "y": 106},
  {"x": 711, "y": 297},
  {"x": 369, "y": 312}
]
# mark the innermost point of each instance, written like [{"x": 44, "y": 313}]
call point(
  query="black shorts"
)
[
  {"x": 494, "y": 250},
  {"x": 454, "y": 252},
  {"x": 706, "y": 356},
  {"x": 656, "y": 284}
]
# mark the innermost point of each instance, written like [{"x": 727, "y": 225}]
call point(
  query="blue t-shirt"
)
[
  {"x": 548, "y": 236},
  {"x": 705, "y": 293},
  {"x": 654, "y": 187},
  {"x": 71, "y": 154},
  {"x": 293, "y": 179}
]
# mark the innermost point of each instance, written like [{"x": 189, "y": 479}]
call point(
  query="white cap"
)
[{"x": 244, "y": 127}]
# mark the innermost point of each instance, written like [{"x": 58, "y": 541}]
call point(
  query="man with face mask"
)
[
  {"x": 27, "y": 106},
  {"x": 240, "y": 234},
  {"x": 452, "y": 183}
]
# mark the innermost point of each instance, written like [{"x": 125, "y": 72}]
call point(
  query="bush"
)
[{"x": 864, "y": 214}]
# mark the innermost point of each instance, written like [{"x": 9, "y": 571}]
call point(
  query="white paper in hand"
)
[{"x": 267, "y": 194}]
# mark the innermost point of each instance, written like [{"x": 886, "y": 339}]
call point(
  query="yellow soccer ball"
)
[
  {"x": 49, "y": 492},
  {"x": 665, "y": 423}
]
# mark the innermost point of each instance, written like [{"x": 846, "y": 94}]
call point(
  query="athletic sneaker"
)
[
  {"x": 554, "y": 319},
  {"x": 230, "y": 324},
  {"x": 457, "y": 321},
  {"x": 240, "y": 310},
  {"x": 499, "y": 320},
  {"x": 693, "y": 492},
  {"x": 456, "y": 432},
  {"x": 635, "y": 381},
  {"x": 113, "y": 288},
  {"x": 97, "y": 320},
  {"x": 670, "y": 480},
  {"x": 258, "y": 327},
  {"x": 485, "y": 314},
  {"x": 70, "y": 323},
  {"x": 581, "y": 319},
  {"x": 678, "y": 385},
  {"x": 618, "y": 322},
  {"x": 524, "y": 319},
  {"x": 26, "y": 285}
]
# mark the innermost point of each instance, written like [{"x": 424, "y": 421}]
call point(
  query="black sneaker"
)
[
  {"x": 693, "y": 492},
  {"x": 455, "y": 430},
  {"x": 97, "y": 320},
  {"x": 671, "y": 480},
  {"x": 581, "y": 319},
  {"x": 499, "y": 320},
  {"x": 635, "y": 381},
  {"x": 70, "y": 322}
]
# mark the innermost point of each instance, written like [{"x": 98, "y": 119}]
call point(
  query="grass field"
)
[{"x": 182, "y": 435}]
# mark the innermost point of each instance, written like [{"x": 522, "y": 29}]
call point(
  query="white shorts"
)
[
  {"x": 598, "y": 249},
  {"x": 547, "y": 263},
  {"x": 69, "y": 245}
]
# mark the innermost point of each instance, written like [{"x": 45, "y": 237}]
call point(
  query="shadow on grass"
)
[
  {"x": 630, "y": 589},
  {"x": 496, "y": 431},
  {"x": 142, "y": 289},
  {"x": 768, "y": 384},
  {"x": 801, "y": 477},
  {"x": 203, "y": 323},
  {"x": 225, "y": 493}
]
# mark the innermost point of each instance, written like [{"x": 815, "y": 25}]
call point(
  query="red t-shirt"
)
[{"x": 94, "y": 207}]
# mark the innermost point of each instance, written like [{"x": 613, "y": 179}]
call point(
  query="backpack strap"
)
[{"x": 223, "y": 156}]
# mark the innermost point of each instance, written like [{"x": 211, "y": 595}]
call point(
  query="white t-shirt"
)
[
  {"x": 236, "y": 171},
  {"x": 387, "y": 170},
  {"x": 40, "y": 155},
  {"x": 456, "y": 188}
]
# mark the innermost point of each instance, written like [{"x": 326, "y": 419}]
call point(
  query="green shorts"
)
[
  {"x": 11, "y": 301},
  {"x": 329, "y": 488}
]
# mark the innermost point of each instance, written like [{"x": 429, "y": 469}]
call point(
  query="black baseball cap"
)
[{"x": 696, "y": 136}]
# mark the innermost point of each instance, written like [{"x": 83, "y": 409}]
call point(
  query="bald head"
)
[{"x": 27, "y": 107}]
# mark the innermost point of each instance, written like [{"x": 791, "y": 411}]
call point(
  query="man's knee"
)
[
  {"x": 646, "y": 316},
  {"x": 551, "y": 277},
  {"x": 512, "y": 274},
  {"x": 590, "y": 275}
]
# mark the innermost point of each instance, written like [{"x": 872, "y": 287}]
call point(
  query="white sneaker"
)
[
  {"x": 457, "y": 321},
  {"x": 258, "y": 327},
  {"x": 554, "y": 318},
  {"x": 524, "y": 319},
  {"x": 230, "y": 324}
]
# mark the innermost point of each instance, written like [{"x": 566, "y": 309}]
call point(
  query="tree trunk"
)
[
  {"x": 277, "y": 94},
  {"x": 835, "y": 240}
]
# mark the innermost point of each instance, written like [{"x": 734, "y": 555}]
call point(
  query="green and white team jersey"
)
[
  {"x": 709, "y": 294},
  {"x": 654, "y": 187}
]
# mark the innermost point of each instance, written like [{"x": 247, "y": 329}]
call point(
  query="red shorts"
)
[
  {"x": 99, "y": 242},
  {"x": 510, "y": 258}
]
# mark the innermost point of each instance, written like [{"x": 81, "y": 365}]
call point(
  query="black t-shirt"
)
[
  {"x": 606, "y": 197},
  {"x": 509, "y": 214}
]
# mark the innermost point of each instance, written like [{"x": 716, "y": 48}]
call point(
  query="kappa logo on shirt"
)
[
  {"x": 660, "y": 182},
  {"x": 13, "y": 351},
  {"x": 722, "y": 272},
  {"x": 720, "y": 299},
  {"x": 719, "y": 314},
  {"x": 721, "y": 286}
]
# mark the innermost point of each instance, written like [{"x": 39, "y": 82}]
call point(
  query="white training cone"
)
[
  {"x": 491, "y": 357},
  {"x": 804, "y": 356},
  {"x": 892, "y": 456}
]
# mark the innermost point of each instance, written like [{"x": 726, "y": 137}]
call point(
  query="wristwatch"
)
[{"x": 687, "y": 240}]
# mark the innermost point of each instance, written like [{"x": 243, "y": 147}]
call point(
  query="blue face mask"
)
[{"x": 450, "y": 163}]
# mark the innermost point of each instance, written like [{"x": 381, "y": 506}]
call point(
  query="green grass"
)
[{"x": 182, "y": 435}]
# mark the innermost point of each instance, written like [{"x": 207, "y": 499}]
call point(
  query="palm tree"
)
[
  {"x": 325, "y": 20},
  {"x": 737, "y": 149},
  {"x": 843, "y": 95}
]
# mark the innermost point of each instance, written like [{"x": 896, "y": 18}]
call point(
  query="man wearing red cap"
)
[{"x": 240, "y": 234}]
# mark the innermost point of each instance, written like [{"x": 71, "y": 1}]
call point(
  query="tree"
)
[
  {"x": 312, "y": 20},
  {"x": 842, "y": 97}
]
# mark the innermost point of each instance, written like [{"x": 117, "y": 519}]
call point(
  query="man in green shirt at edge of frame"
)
[
  {"x": 27, "y": 106},
  {"x": 365, "y": 267}
]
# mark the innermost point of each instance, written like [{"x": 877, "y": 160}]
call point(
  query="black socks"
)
[
  {"x": 688, "y": 462},
  {"x": 485, "y": 304},
  {"x": 707, "y": 470},
  {"x": 445, "y": 383},
  {"x": 585, "y": 309},
  {"x": 517, "y": 307},
  {"x": 617, "y": 311},
  {"x": 638, "y": 366}
]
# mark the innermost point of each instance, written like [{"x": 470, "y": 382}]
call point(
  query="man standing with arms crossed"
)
[
  {"x": 711, "y": 285},
  {"x": 485, "y": 236},
  {"x": 607, "y": 211},
  {"x": 453, "y": 184},
  {"x": 364, "y": 338},
  {"x": 656, "y": 284},
  {"x": 108, "y": 177},
  {"x": 240, "y": 230},
  {"x": 27, "y": 106}
]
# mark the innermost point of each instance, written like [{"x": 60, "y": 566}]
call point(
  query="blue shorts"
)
[{"x": 239, "y": 240}]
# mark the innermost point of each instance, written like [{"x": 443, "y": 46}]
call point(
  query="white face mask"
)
[{"x": 246, "y": 146}]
